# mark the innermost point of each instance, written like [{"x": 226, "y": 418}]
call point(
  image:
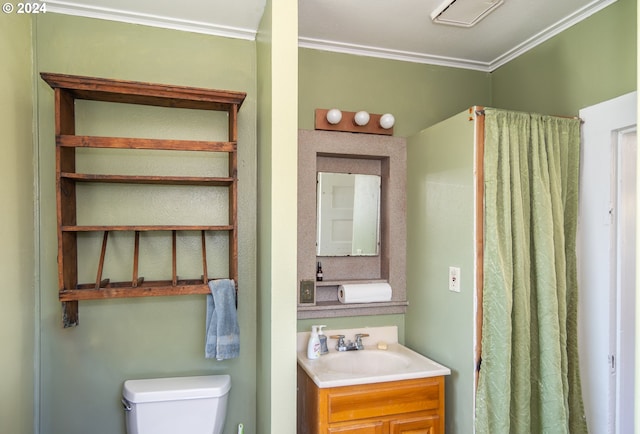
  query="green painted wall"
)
[
  {"x": 83, "y": 368},
  {"x": 418, "y": 95},
  {"x": 440, "y": 217},
  {"x": 17, "y": 310},
  {"x": 591, "y": 62}
]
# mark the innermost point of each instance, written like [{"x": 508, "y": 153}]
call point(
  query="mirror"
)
[{"x": 348, "y": 214}]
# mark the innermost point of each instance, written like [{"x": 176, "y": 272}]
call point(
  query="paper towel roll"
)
[{"x": 364, "y": 292}]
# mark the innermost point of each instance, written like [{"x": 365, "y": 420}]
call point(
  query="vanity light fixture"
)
[{"x": 354, "y": 122}]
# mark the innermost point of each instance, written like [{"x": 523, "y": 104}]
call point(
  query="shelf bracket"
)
[
  {"x": 105, "y": 237},
  {"x": 136, "y": 252},
  {"x": 205, "y": 278},
  {"x": 173, "y": 259}
]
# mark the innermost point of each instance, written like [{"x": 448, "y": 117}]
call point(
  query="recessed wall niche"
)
[{"x": 329, "y": 151}]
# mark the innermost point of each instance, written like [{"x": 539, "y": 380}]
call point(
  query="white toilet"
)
[{"x": 193, "y": 405}]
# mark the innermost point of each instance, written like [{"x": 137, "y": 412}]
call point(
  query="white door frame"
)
[
  {"x": 596, "y": 268},
  {"x": 624, "y": 258}
]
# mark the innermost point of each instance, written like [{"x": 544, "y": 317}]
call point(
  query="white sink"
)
[
  {"x": 371, "y": 365},
  {"x": 364, "y": 362}
]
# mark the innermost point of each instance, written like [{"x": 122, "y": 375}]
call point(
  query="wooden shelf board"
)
[
  {"x": 138, "y": 179},
  {"x": 126, "y": 290},
  {"x": 143, "y": 228},
  {"x": 71, "y": 141},
  {"x": 135, "y": 92}
]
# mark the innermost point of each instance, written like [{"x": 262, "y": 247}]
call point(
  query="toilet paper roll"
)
[{"x": 364, "y": 292}]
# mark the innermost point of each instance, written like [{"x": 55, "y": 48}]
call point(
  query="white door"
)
[
  {"x": 335, "y": 213},
  {"x": 600, "y": 254}
]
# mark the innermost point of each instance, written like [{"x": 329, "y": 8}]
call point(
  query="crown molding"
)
[
  {"x": 88, "y": 11},
  {"x": 544, "y": 35},
  {"x": 550, "y": 32},
  {"x": 383, "y": 53}
]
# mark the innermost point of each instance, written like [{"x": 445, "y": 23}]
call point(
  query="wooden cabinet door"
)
[
  {"x": 416, "y": 425},
  {"x": 371, "y": 427}
]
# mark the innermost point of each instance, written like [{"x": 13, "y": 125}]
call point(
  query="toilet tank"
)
[{"x": 194, "y": 405}]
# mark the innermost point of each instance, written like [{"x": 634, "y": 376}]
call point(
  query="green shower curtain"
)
[{"x": 529, "y": 380}]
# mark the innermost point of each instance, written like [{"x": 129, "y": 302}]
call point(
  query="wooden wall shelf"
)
[{"x": 68, "y": 89}]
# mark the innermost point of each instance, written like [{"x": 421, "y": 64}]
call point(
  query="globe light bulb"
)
[
  {"x": 361, "y": 118},
  {"x": 334, "y": 116},
  {"x": 387, "y": 121}
]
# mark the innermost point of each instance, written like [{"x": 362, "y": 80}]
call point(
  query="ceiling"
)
[{"x": 394, "y": 29}]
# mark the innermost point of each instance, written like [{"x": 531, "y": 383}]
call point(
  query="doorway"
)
[{"x": 606, "y": 264}]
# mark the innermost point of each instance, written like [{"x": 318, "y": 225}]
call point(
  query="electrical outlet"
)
[{"x": 454, "y": 279}]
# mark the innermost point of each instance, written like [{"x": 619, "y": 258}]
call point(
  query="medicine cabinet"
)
[
  {"x": 347, "y": 153},
  {"x": 348, "y": 209}
]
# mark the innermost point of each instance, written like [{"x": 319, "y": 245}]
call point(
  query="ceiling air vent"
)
[{"x": 463, "y": 13}]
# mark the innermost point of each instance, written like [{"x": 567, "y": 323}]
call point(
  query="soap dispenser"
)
[
  {"x": 323, "y": 340},
  {"x": 313, "y": 348}
]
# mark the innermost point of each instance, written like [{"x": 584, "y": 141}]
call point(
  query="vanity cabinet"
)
[{"x": 406, "y": 406}]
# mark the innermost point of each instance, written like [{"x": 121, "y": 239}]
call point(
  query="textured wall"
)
[{"x": 17, "y": 313}]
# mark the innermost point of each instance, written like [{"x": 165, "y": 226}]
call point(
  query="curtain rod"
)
[{"x": 479, "y": 111}]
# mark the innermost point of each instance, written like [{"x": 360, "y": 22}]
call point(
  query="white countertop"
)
[{"x": 371, "y": 365}]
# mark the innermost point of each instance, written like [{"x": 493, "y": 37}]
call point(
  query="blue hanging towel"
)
[{"x": 223, "y": 332}]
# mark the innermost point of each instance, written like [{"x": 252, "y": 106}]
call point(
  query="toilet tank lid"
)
[{"x": 176, "y": 388}]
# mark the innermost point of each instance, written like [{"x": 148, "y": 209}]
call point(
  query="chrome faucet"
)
[{"x": 349, "y": 346}]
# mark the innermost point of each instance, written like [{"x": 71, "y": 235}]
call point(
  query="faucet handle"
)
[
  {"x": 340, "y": 346},
  {"x": 359, "y": 337}
]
